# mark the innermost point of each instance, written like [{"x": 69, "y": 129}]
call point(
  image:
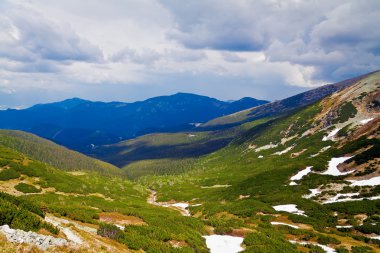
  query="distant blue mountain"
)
[{"x": 80, "y": 124}]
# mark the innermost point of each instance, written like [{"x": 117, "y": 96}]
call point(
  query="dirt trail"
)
[{"x": 182, "y": 207}]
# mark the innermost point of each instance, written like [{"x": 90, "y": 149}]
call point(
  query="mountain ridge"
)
[{"x": 79, "y": 124}]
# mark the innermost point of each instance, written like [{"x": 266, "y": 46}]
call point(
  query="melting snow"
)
[
  {"x": 269, "y": 146},
  {"x": 260, "y": 156},
  {"x": 348, "y": 226},
  {"x": 333, "y": 167},
  {"x": 293, "y": 183},
  {"x": 284, "y": 151},
  {"x": 285, "y": 224},
  {"x": 182, "y": 206},
  {"x": 338, "y": 198},
  {"x": 314, "y": 192},
  {"x": 324, "y": 247},
  {"x": 365, "y": 121},
  {"x": 120, "y": 227},
  {"x": 191, "y": 135},
  {"x": 224, "y": 243},
  {"x": 368, "y": 182},
  {"x": 331, "y": 135},
  {"x": 290, "y": 208},
  {"x": 301, "y": 173},
  {"x": 321, "y": 151}
]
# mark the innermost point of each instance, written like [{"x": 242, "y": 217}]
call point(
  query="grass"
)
[
  {"x": 27, "y": 188},
  {"x": 252, "y": 186}
]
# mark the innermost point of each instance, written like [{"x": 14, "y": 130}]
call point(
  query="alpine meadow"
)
[{"x": 242, "y": 126}]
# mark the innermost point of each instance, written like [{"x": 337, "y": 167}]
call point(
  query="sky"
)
[{"x": 129, "y": 50}]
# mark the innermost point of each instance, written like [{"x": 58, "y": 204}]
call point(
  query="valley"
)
[{"x": 296, "y": 175}]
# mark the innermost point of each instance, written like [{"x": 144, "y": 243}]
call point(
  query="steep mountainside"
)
[
  {"x": 279, "y": 107},
  {"x": 53, "y": 154},
  {"x": 83, "y": 211},
  {"x": 306, "y": 182},
  {"x": 168, "y": 153},
  {"x": 81, "y": 124}
]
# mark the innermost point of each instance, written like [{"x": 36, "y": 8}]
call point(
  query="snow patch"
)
[
  {"x": 183, "y": 207},
  {"x": 290, "y": 208},
  {"x": 333, "y": 167},
  {"x": 338, "y": 198},
  {"x": 331, "y": 135},
  {"x": 191, "y": 135},
  {"x": 324, "y": 247},
  {"x": 301, "y": 173},
  {"x": 284, "y": 151},
  {"x": 341, "y": 197},
  {"x": 365, "y": 121},
  {"x": 348, "y": 226},
  {"x": 216, "y": 186},
  {"x": 260, "y": 156},
  {"x": 269, "y": 146},
  {"x": 368, "y": 182},
  {"x": 314, "y": 192},
  {"x": 320, "y": 151},
  {"x": 224, "y": 243},
  {"x": 284, "y": 224}
]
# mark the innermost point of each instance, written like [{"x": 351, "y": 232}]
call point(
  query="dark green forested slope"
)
[{"x": 53, "y": 154}]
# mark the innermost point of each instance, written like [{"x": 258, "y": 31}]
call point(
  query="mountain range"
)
[
  {"x": 296, "y": 175},
  {"x": 81, "y": 124}
]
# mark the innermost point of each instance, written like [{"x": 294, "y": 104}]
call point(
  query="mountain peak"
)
[{"x": 65, "y": 104}]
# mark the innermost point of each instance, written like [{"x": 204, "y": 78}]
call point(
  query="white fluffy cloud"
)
[{"x": 133, "y": 49}]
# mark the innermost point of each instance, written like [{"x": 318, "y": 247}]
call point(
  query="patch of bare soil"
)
[{"x": 120, "y": 219}]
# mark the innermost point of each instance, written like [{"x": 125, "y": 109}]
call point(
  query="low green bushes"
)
[
  {"x": 8, "y": 174},
  {"x": 27, "y": 188}
]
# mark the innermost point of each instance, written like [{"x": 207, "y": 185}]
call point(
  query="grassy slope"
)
[
  {"x": 167, "y": 153},
  {"x": 53, "y": 154},
  {"x": 265, "y": 182},
  {"x": 83, "y": 196}
]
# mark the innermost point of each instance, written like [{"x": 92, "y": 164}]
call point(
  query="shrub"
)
[
  {"x": 27, "y": 188},
  {"x": 361, "y": 249},
  {"x": 9, "y": 174},
  {"x": 322, "y": 239},
  {"x": 109, "y": 230}
]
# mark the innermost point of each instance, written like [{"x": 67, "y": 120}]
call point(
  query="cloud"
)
[
  {"x": 213, "y": 24},
  {"x": 232, "y": 57},
  {"x": 26, "y": 35},
  {"x": 134, "y": 49}
]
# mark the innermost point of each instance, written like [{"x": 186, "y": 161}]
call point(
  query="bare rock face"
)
[{"x": 41, "y": 241}]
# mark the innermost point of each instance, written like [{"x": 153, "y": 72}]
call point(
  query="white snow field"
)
[
  {"x": 368, "y": 182},
  {"x": 290, "y": 208},
  {"x": 224, "y": 243},
  {"x": 333, "y": 167}
]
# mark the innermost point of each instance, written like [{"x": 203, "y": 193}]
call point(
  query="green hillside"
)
[
  {"x": 167, "y": 153},
  {"x": 83, "y": 198},
  {"x": 249, "y": 187},
  {"x": 53, "y": 154},
  {"x": 238, "y": 186}
]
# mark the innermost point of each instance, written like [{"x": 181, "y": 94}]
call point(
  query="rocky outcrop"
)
[{"x": 41, "y": 241}]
